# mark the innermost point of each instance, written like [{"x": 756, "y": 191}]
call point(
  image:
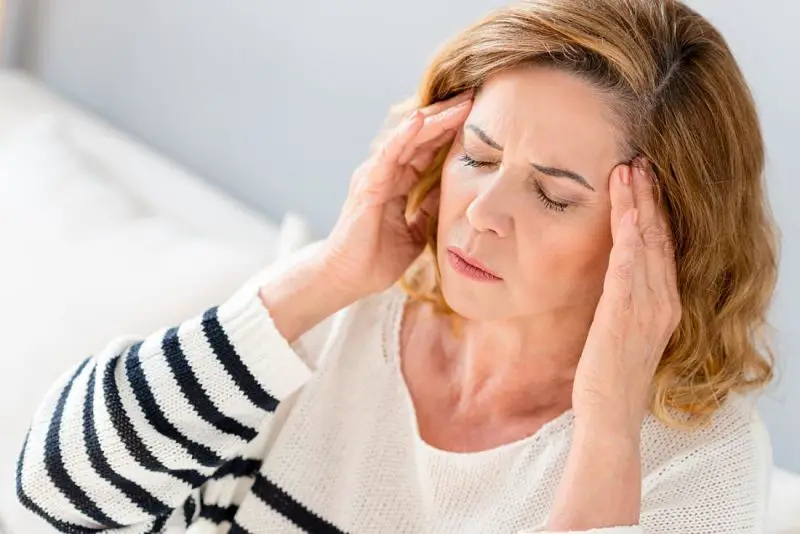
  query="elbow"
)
[
  {"x": 35, "y": 490},
  {"x": 31, "y": 477}
]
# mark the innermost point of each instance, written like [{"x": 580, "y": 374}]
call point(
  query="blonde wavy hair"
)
[{"x": 684, "y": 105}]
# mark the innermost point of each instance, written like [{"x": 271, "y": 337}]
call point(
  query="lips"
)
[{"x": 471, "y": 265}]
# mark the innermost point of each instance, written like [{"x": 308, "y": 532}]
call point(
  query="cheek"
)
[{"x": 563, "y": 256}]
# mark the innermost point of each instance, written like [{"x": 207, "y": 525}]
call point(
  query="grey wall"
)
[{"x": 277, "y": 101}]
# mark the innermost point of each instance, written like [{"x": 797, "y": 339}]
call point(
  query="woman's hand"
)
[
  {"x": 637, "y": 312},
  {"x": 373, "y": 243},
  {"x": 635, "y": 318}
]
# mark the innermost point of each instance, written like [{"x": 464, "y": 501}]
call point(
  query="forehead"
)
[{"x": 550, "y": 114}]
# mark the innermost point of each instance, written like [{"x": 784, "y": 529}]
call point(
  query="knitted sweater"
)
[{"x": 218, "y": 425}]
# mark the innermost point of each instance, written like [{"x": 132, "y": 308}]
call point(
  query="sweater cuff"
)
[{"x": 261, "y": 346}]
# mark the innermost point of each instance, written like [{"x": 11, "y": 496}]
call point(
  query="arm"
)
[
  {"x": 601, "y": 484},
  {"x": 713, "y": 479},
  {"x": 128, "y": 435},
  {"x": 637, "y": 314}
]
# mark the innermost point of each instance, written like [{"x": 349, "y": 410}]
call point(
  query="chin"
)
[{"x": 478, "y": 301}]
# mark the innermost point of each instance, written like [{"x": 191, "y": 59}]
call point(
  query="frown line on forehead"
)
[{"x": 544, "y": 169}]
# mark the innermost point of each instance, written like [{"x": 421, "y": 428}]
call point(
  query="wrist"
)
[
  {"x": 608, "y": 426},
  {"x": 341, "y": 272},
  {"x": 621, "y": 412},
  {"x": 303, "y": 295},
  {"x": 601, "y": 483}
]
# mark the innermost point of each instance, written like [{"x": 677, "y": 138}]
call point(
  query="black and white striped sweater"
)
[{"x": 220, "y": 426}]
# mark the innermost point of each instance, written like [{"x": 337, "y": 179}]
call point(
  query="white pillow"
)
[
  {"x": 54, "y": 190},
  {"x": 82, "y": 263},
  {"x": 295, "y": 234}
]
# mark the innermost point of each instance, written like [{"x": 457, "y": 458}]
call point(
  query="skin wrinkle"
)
[{"x": 510, "y": 369}]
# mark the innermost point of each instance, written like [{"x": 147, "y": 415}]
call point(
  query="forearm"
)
[
  {"x": 302, "y": 296},
  {"x": 601, "y": 484},
  {"x": 168, "y": 409}
]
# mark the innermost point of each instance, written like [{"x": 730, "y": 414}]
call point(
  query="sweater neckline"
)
[{"x": 391, "y": 347}]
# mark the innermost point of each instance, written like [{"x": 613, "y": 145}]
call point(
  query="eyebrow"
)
[{"x": 550, "y": 171}]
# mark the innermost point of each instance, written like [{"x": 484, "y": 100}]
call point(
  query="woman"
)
[{"x": 595, "y": 261}]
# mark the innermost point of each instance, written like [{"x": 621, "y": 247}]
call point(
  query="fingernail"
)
[
  {"x": 643, "y": 166},
  {"x": 455, "y": 109},
  {"x": 412, "y": 116},
  {"x": 625, "y": 175}
]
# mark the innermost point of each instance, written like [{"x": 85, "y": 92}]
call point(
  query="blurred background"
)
[{"x": 153, "y": 155}]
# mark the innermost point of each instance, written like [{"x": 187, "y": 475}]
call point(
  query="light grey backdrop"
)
[{"x": 276, "y": 102}]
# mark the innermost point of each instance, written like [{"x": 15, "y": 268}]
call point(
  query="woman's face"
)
[{"x": 525, "y": 192}]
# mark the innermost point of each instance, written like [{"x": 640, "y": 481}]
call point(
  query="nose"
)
[{"x": 489, "y": 211}]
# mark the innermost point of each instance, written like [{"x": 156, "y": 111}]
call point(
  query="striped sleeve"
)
[{"x": 122, "y": 442}]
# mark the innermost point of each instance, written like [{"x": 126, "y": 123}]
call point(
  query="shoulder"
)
[
  {"x": 734, "y": 431},
  {"x": 723, "y": 465}
]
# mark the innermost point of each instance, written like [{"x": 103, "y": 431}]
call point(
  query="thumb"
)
[
  {"x": 618, "y": 284},
  {"x": 427, "y": 214}
]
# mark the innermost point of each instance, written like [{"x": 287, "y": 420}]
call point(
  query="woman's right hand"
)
[{"x": 372, "y": 243}]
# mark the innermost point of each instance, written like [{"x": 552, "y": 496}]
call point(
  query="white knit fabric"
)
[{"x": 219, "y": 426}]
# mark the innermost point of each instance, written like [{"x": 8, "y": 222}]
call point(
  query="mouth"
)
[{"x": 470, "y": 267}]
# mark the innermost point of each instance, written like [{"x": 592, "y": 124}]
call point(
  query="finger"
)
[
  {"x": 652, "y": 225},
  {"x": 408, "y": 174},
  {"x": 387, "y": 158},
  {"x": 429, "y": 111},
  {"x": 621, "y": 193},
  {"x": 424, "y": 216},
  {"x": 672, "y": 281},
  {"x": 440, "y": 106},
  {"x": 643, "y": 191},
  {"x": 425, "y": 154},
  {"x": 671, "y": 270},
  {"x": 641, "y": 291},
  {"x": 618, "y": 283},
  {"x": 434, "y": 126}
]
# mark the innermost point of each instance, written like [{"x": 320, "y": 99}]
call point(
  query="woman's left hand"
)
[
  {"x": 634, "y": 320},
  {"x": 637, "y": 313}
]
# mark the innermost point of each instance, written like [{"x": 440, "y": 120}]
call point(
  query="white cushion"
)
[
  {"x": 82, "y": 263},
  {"x": 295, "y": 234},
  {"x": 53, "y": 190}
]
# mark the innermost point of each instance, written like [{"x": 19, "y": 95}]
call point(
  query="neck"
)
[{"x": 515, "y": 367}]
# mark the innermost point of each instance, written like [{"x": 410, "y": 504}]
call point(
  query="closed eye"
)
[
  {"x": 548, "y": 202},
  {"x": 470, "y": 162}
]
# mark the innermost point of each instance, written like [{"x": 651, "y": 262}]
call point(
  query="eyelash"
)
[{"x": 548, "y": 202}]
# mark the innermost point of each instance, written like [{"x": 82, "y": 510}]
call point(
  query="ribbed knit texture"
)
[{"x": 219, "y": 426}]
